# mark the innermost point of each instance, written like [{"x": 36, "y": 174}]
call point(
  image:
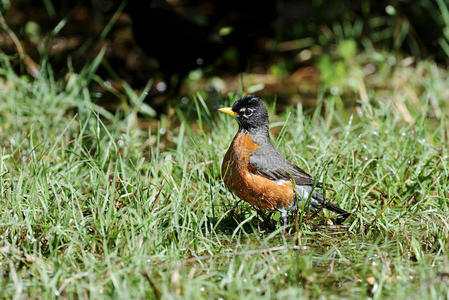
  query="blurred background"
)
[{"x": 174, "y": 49}]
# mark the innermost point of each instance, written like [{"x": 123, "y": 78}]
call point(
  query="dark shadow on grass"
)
[
  {"x": 234, "y": 220},
  {"x": 261, "y": 223}
]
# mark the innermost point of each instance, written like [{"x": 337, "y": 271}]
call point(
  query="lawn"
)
[{"x": 95, "y": 205}]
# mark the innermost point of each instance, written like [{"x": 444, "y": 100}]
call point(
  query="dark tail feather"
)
[
  {"x": 317, "y": 201},
  {"x": 331, "y": 206}
]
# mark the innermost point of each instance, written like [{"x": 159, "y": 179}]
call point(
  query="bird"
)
[{"x": 254, "y": 171}]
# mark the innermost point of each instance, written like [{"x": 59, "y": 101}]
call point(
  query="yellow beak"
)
[{"x": 229, "y": 111}]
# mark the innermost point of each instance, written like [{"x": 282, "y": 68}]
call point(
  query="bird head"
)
[{"x": 250, "y": 113}]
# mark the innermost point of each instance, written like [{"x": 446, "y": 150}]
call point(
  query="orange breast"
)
[{"x": 255, "y": 189}]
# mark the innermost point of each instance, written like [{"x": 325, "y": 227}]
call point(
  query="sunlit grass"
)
[{"x": 92, "y": 206}]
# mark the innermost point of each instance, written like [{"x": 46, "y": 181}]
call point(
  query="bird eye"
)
[{"x": 246, "y": 112}]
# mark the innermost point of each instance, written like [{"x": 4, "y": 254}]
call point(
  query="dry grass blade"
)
[
  {"x": 32, "y": 67},
  {"x": 151, "y": 282},
  {"x": 68, "y": 280},
  {"x": 382, "y": 211}
]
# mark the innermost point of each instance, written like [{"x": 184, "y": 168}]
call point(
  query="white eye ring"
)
[{"x": 246, "y": 115}]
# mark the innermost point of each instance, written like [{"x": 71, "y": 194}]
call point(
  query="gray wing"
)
[{"x": 267, "y": 161}]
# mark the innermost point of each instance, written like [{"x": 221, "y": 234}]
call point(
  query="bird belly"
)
[
  {"x": 255, "y": 189},
  {"x": 268, "y": 194},
  {"x": 259, "y": 191}
]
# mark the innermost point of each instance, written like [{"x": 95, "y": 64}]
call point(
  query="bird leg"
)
[
  {"x": 284, "y": 215},
  {"x": 268, "y": 222}
]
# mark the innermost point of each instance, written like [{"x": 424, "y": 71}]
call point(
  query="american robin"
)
[{"x": 257, "y": 173}]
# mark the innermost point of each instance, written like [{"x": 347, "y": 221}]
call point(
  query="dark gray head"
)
[
  {"x": 252, "y": 116},
  {"x": 251, "y": 113}
]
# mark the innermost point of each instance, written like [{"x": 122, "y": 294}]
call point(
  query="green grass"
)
[{"x": 91, "y": 206}]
